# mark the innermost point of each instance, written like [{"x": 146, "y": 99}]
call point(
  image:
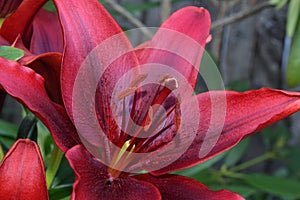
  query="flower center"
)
[{"x": 154, "y": 119}]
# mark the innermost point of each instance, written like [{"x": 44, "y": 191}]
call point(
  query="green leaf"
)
[
  {"x": 64, "y": 175},
  {"x": 198, "y": 168},
  {"x": 292, "y": 18},
  {"x": 28, "y": 128},
  {"x": 278, "y": 3},
  {"x": 60, "y": 192},
  {"x": 292, "y": 160},
  {"x": 50, "y": 6},
  {"x": 293, "y": 68},
  {"x": 8, "y": 134},
  {"x": 235, "y": 154},
  {"x": 1, "y": 153},
  {"x": 240, "y": 85},
  {"x": 11, "y": 53},
  {"x": 278, "y": 186},
  {"x": 8, "y": 129}
]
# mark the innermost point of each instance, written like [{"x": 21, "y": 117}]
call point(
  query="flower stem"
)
[
  {"x": 250, "y": 163},
  {"x": 53, "y": 166},
  {"x": 1, "y": 153}
]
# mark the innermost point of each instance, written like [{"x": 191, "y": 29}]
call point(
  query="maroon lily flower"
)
[
  {"x": 106, "y": 174},
  {"x": 22, "y": 174}
]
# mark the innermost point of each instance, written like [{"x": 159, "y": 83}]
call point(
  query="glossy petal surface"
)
[
  {"x": 86, "y": 24},
  {"x": 92, "y": 180},
  {"x": 19, "y": 22},
  {"x": 28, "y": 87},
  {"x": 173, "y": 187},
  {"x": 246, "y": 113},
  {"x": 46, "y": 33},
  {"x": 179, "y": 43},
  {"x": 22, "y": 173}
]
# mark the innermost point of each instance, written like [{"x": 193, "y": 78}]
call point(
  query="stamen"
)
[
  {"x": 171, "y": 83},
  {"x": 163, "y": 78},
  {"x": 177, "y": 117},
  {"x": 126, "y": 92},
  {"x": 140, "y": 78},
  {"x": 123, "y": 149}
]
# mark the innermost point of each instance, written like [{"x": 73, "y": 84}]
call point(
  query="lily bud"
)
[{"x": 7, "y": 7}]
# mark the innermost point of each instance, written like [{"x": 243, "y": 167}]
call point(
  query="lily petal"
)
[
  {"x": 179, "y": 42},
  {"x": 86, "y": 24},
  {"x": 246, "y": 114},
  {"x": 93, "y": 181},
  {"x": 176, "y": 187},
  {"x": 28, "y": 87},
  {"x": 46, "y": 35},
  {"x": 19, "y": 22},
  {"x": 22, "y": 174}
]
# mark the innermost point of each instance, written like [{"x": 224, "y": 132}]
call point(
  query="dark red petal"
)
[
  {"x": 19, "y": 22},
  {"x": 86, "y": 24},
  {"x": 22, "y": 174},
  {"x": 246, "y": 113},
  {"x": 92, "y": 180},
  {"x": 28, "y": 87},
  {"x": 46, "y": 33},
  {"x": 176, "y": 187},
  {"x": 47, "y": 65},
  {"x": 179, "y": 42},
  {"x": 8, "y": 7}
]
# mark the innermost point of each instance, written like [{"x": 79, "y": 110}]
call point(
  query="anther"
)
[
  {"x": 171, "y": 83},
  {"x": 163, "y": 78},
  {"x": 126, "y": 92},
  {"x": 140, "y": 78},
  {"x": 177, "y": 118}
]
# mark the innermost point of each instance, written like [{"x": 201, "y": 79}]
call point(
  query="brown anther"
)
[
  {"x": 126, "y": 92},
  {"x": 171, "y": 83},
  {"x": 163, "y": 78},
  {"x": 140, "y": 78},
  {"x": 177, "y": 118}
]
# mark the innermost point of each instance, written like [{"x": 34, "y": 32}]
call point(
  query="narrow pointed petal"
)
[
  {"x": 92, "y": 180},
  {"x": 175, "y": 187},
  {"x": 22, "y": 174},
  {"x": 86, "y": 24},
  {"x": 28, "y": 87},
  {"x": 18, "y": 23},
  {"x": 179, "y": 43},
  {"x": 246, "y": 114}
]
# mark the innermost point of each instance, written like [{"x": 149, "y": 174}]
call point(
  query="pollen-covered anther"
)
[
  {"x": 139, "y": 79},
  {"x": 162, "y": 79},
  {"x": 177, "y": 118},
  {"x": 128, "y": 91},
  {"x": 171, "y": 83}
]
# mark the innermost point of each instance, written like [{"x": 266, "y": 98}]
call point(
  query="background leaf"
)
[
  {"x": 278, "y": 186},
  {"x": 11, "y": 53}
]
